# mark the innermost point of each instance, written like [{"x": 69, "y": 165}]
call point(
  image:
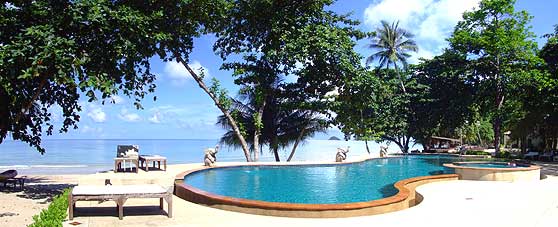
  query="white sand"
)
[{"x": 18, "y": 207}]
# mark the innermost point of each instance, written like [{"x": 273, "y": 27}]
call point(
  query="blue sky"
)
[{"x": 184, "y": 111}]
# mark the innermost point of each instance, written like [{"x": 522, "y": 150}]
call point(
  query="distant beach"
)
[{"x": 90, "y": 156}]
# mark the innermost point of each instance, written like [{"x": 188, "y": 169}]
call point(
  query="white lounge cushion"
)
[{"x": 118, "y": 189}]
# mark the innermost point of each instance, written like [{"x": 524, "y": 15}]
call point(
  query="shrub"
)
[
  {"x": 504, "y": 155},
  {"x": 476, "y": 152},
  {"x": 55, "y": 214}
]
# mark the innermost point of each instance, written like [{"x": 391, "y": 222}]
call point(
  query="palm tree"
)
[
  {"x": 282, "y": 127},
  {"x": 393, "y": 44}
]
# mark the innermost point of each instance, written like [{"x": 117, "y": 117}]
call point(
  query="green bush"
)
[
  {"x": 504, "y": 155},
  {"x": 476, "y": 152},
  {"x": 55, "y": 214}
]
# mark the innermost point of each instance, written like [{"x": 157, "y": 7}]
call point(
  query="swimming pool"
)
[{"x": 318, "y": 184}]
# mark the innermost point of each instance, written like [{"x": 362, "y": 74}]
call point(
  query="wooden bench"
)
[{"x": 119, "y": 194}]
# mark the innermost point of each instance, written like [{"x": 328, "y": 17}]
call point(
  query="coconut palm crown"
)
[{"x": 393, "y": 44}]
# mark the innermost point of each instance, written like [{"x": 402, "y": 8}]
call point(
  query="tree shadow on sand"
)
[
  {"x": 37, "y": 189},
  {"x": 43, "y": 191}
]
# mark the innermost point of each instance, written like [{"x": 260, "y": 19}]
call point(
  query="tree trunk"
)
[
  {"x": 523, "y": 144},
  {"x": 497, "y": 124},
  {"x": 367, "y": 148},
  {"x": 219, "y": 105},
  {"x": 258, "y": 131},
  {"x": 296, "y": 143},
  {"x": 400, "y": 79},
  {"x": 402, "y": 143},
  {"x": 275, "y": 149}
]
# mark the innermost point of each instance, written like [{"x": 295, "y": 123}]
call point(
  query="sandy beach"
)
[{"x": 17, "y": 207}]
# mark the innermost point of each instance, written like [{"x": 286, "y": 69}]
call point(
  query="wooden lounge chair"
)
[
  {"x": 9, "y": 176},
  {"x": 119, "y": 194}
]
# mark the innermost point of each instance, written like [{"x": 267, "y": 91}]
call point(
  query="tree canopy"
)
[
  {"x": 500, "y": 52},
  {"x": 293, "y": 48},
  {"x": 51, "y": 52}
]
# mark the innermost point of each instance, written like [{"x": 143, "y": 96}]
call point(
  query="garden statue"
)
[
  {"x": 341, "y": 154},
  {"x": 210, "y": 156},
  {"x": 383, "y": 151}
]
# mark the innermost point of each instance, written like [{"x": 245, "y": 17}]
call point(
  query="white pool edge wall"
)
[{"x": 528, "y": 173}]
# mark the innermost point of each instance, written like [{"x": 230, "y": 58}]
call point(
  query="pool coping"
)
[
  {"x": 526, "y": 168},
  {"x": 406, "y": 197}
]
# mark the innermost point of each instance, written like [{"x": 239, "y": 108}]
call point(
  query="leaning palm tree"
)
[
  {"x": 282, "y": 127},
  {"x": 393, "y": 44}
]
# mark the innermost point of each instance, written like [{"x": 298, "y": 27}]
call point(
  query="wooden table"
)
[
  {"x": 118, "y": 163},
  {"x": 145, "y": 159}
]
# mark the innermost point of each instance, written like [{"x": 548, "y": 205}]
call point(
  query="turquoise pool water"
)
[
  {"x": 318, "y": 184},
  {"x": 491, "y": 165}
]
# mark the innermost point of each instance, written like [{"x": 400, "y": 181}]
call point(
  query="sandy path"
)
[{"x": 18, "y": 207}]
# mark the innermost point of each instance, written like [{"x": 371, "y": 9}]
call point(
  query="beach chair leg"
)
[
  {"x": 161, "y": 203},
  {"x": 70, "y": 207}
]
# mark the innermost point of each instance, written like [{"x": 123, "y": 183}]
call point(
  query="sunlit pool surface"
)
[
  {"x": 318, "y": 184},
  {"x": 504, "y": 165}
]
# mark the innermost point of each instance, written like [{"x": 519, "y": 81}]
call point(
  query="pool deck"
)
[{"x": 450, "y": 203}]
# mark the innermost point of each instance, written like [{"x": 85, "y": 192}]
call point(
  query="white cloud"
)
[
  {"x": 181, "y": 116},
  {"x": 432, "y": 21},
  {"x": 116, "y": 99},
  {"x": 156, "y": 118},
  {"x": 88, "y": 129},
  {"x": 96, "y": 113},
  {"x": 127, "y": 116},
  {"x": 178, "y": 73}
]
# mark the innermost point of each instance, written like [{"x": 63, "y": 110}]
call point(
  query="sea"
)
[{"x": 83, "y": 156}]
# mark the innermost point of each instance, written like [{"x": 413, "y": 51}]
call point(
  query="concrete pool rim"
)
[
  {"x": 523, "y": 166},
  {"x": 405, "y": 198}
]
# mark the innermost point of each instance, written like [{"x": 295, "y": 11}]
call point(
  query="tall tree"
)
[
  {"x": 372, "y": 106},
  {"x": 499, "y": 46},
  {"x": 443, "y": 98},
  {"x": 393, "y": 45},
  {"x": 263, "y": 41},
  {"x": 51, "y": 52}
]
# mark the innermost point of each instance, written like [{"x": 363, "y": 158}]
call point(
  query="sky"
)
[{"x": 183, "y": 111}]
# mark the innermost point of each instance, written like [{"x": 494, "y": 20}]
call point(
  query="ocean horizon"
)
[{"x": 85, "y": 156}]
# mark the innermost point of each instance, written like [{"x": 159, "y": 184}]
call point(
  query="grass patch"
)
[{"x": 55, "y": 214}]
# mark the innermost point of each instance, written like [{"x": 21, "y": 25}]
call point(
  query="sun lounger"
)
[
  {"x": 9, "y": 176},
  {"x": 531, "y": 154},
  {"x": 119, "y": 194},
  {"x": 547, "y": 156}
]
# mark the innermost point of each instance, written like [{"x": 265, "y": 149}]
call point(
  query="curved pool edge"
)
[
  {"x": 528, "y": 173},
  {"x": 405, "y": 198}
]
